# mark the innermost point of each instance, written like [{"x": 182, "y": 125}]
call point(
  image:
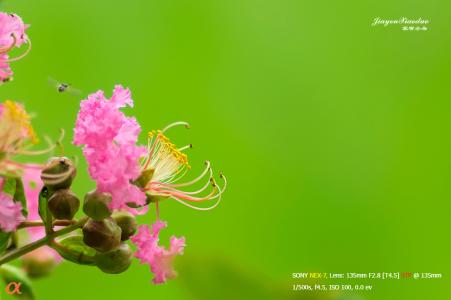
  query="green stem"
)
[
  {"x": 48, "y": 222},
  {"x": 26, "y": 224},
  {"x": 16, "y": 253}
]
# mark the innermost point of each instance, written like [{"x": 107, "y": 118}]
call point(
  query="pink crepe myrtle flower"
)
[
  {"x": 167, "y": 165},
  {"x": 32, "y": 186},
  {"x": 10, "y": 211},
  {"x": 12, "y": 34},
  {"x": 109, "y": 140},
  {"x": 139, "y": 175},
  {"x": 157, "y": 257}
]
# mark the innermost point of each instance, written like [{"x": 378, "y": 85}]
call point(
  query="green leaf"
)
[
  {"x": 43, "y": 198},
  {"x": 75, "y": 250},
  {"x": 9, "y": 186},
  {"x": 4, "y": 238},
  {"x": 19, "y": 196},
  {"x": 14, "y": 274}
]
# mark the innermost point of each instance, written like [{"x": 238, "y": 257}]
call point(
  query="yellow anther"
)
[{"x": 18, "y": 117}]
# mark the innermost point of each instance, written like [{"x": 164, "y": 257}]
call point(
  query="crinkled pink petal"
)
[
  {"x": 10, "y": 213},
  {"x": 162, "y": 266},
  {"x": 159, "y": 259},
  {"x": 113, "y": 168},
  {"x": 98, "y": 122},
  {"x": 121, "y": 97},
  {"x": 128, "y": 133}
]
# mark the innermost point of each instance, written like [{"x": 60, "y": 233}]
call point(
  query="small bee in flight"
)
[{"x": 63, "y": 87}]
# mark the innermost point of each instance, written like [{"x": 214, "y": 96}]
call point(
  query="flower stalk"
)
[
  {"x": 27, "y": 224},
  {"x": 47, "y": 240}
]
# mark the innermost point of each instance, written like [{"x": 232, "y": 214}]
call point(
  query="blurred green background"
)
[{"x": 334, "y": 135}]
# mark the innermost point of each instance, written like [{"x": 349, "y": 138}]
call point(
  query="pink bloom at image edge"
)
[
  {"x": 32, "y": 186},
  {"x": 12, "y": 34},
  {"x": 10, "y": 211},
  {"x": 159, "y": 259},
  {"x": 12, "y": 24},
  {"x": 109, "y": 139}
]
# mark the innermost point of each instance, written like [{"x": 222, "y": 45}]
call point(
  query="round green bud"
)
[
  {"x": 96, "y": 205},
  {"x": 102, "y": 235},
  {"x": 58, "y": 173},
  {"x": 115, "y": 261},
  {"x": 38, "y": 263},
  {"x": 63, "y": 204},
  {"x": 127, "y": 222}
]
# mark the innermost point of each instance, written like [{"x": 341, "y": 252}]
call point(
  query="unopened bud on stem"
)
[
  {"x": 102, "y": 235},
  {"x": 127, "y": 222},
  {"x": 39, "y": 262},
  {"x": 114, "y": 261},
  {"x": 96, "y": 205},
  {"x": 63, "y": 204},
  {"x": 58, "y": 173}
]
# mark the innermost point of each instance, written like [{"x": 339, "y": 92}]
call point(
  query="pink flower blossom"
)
[
  {"x": 112, "y": 168},
  {"x": 109, "y": 139},
  {"x": 32, "y": 186},
  {"x": 10, "y": 211},
  {"x": 12, "y": 34},
  {"x": 159, "y": 258},
  {"x": 12, "y": 30},
  {"x": 5, "y": 69}
]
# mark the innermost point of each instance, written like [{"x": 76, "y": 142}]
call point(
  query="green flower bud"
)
[
  {"x": 38, "y": 263},
  {"x": 58, "y": 173},
  {"x": 63, "y": 204},
  {"x": 115, "y": 261},
  {"x": 127, "y": 222},
  {"x": 102, "y": 235},
  {"x": 96, "y": 205}
]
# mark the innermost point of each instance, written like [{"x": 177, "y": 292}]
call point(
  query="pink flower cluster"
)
[
  {"x": 159, "y": 258},
  {"x": 12, "y": 34},
  {"x": 109, "y": 139},
  {"x": 10, "y": 211}
]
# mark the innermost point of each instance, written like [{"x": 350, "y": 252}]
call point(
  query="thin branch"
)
[
  {"x": 27, "y": 224},
  {"x": 16, "y": 253}
]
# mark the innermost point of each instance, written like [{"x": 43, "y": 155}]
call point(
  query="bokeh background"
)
[{"x": 334, "y": 135}]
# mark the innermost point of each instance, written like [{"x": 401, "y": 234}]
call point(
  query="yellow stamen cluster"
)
[
  {"x": 19, "y": 116},
  {"x": 171, "y": 148},
  {"x": 15, "y": 126}
]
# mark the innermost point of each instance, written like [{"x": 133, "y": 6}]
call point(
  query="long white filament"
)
[
  {"x": 206, "y": 208},
  {"x": 186, "y": 124}
]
